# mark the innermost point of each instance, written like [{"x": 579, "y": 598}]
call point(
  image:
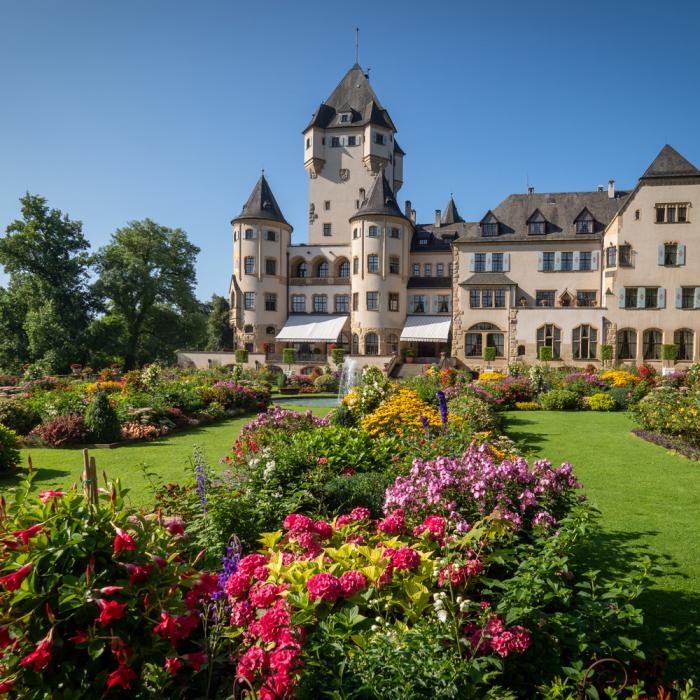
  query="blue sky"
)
[{"x": 123, "y": 110}]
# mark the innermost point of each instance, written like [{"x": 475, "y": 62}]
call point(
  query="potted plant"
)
[
  {"x": 289, "y": 356},
  {"x": 545, "y": 353},
  {"x": 606, "y": 353},
  {"x": 76, "y": 367},
  {"x": 489, "y": 355},
  {"x": 408, "y": 355},
  {"x": 338, "y": 355},
  {"x": 669, "y": 353}
]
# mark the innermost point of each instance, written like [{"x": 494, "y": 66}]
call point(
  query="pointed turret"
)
[
  {"x": 261, "y": 205},
  {"x": 670, "y": 163},
  {"x": 380, "y": 201},
  {"x": 451, "y": 215}
]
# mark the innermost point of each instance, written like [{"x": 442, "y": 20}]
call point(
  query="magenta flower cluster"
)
[
  {"x": 282, "y": 419},
  {"x": 475, "y": 485}
]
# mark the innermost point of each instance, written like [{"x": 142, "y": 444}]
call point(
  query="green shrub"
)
[
  {"x": 326, "y": 382},
  {"x": 624, "y": 397},
  {"x": 670, "y": 411},
  {"x": 338, "y": 355},
  {"x": 101, "y": 420},
  {"x": 527, "y": 406},
  {"x": 18, "y": 415},
  {"x": 343, "y": 493},
  {"x": 425, "y": 385},
  {"x": 601, "y": 402},
  {"x": 289, "y": 356},
  {"x": 545, "y": 353},
  {"x": 489, "y": 354},
  {"x": 9, "y": 450},
  {"x": 606, "y": 353},
  {"x": 669, "y": 352},
  {"x": 519, "y": 369},
  {"x": 241, "y": 356},
  {"x": 342, "y": 416},
  {"x": 559, "y": 400},
  {"x": 186, "y": 396},
  {"x": 478, "y": 416},
  {"x": 63, "y": 431}
]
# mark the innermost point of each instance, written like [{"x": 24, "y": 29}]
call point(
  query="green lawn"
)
[
  {"x": 650, "y": 502},
  {"x": 169, "y": 457}
]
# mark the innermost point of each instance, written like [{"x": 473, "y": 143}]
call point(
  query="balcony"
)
[{"x": 310, "y": 281}]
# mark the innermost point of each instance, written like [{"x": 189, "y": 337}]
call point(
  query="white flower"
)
[{"x": 442, "y": 615}]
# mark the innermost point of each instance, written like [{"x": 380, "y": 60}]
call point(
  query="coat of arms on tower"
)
[{"x": 344, "y": 174}]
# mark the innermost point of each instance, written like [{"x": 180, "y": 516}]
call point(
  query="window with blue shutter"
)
[
  {"x": 472, "y": 263},
  {"x": 641, "y": 297},
  {"x": 697, "y": 298},
  {"x": 557, "y": 260},
  {"x": 660, "y": 255},
  {"x": 506, "y": 262},
  {"x": 661, "y": 298},
  {"x": 680, "y": 255},
  {"x": 489, "y": 258},
  {"x": 540, "y": 262},
  {"x": 577, "y": 260},
  {"x": 621, "y": 298},
  {"x": 595, "y": 260},
  {"x": 679, "y": 298}
]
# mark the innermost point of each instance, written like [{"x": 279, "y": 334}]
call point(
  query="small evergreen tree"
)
[{"x": 101, "y": 419}]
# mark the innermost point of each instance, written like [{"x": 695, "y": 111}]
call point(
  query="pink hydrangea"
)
[
  {"x": 237, "y": 584},
  {"x": 251, "y": 562},
  {"x": 271, "y": 625},
  {"x": 242, "y": 613},
  {"x": 343, "y": 520},
  {"x": 352, "y": 581},
  {"x": 406, "y": 558},
  {"x": 324, "y": 586},
  {"x": 360, "y": 514},
  {"x": 323, "y": 529},
  {"x": 251, "y": 663},
  {"x": 459, "y": 574},
  {"x": 393, "y": 524},
  {"x": 297, "y": 523},
  {"x": 434, "y": 525},
  {"x": 263, "y": 596}
]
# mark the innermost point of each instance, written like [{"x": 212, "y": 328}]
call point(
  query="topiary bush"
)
[
  {"x": 489, "y": 354},
  {"x": 338, "y": 355},
  {"x": 545, "y": 353},
  {"x": 18, "y": 416},
  {"x": 101, "y": 420},
  {"x": 326, "y": 382},
  {"x": 669, "y": 352},
  {"x": 9, "y": 450},
  {"x": 559, "y": 400},
  {"x": 63, "y": 430},
  {"x": 601, "y": 402}
]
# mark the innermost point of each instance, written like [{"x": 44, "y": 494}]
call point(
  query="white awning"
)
[
  {"x": 426, "y": 328},
  {"x": 309, "y": 327}
]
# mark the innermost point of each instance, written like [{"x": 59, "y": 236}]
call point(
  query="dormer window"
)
[
  {"x": 345, "y": 117},
  {"x": 489, "y": 225},
  {"x": 422, "y": 241},
  {"x": 537, "y": 224},
  {"x": 584, "y": 222}
]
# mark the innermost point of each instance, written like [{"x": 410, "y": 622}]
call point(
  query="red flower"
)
[
  {"x": 252, "y": 662},
  {"x": 360, "y": 514},
  {"x": 263, "y": 596},
  {"x": 5, "y": 639},
  {"x": 123, "y": 540},
  {"x": 26, "y": 535},
  {"x": 174, "y": 525},
  {"x": 296, "y": 523},
  {"x": 434, "y": 525},
  {"x": 172, "y": 665},
  {"x": 323, "y": 529},
  {"x": 406, "y": 558},
  {"x": 6, "y": 686},
  {"x": 14, "y": 580},
  {"x": 271, "y": 626},
  {"x": 40, "y": 658},
  {"x": 348, "y": 471},
  {"x": 197, "y": 659},
  {"x": 352, "y": 582},
  {"x": 238, "y": 584},
  {"x": 111, "y": 610},
  {"x": 324, "y": 586},
  {"x": 121, "y": 677},
  {"x": 45, "y": 496},
  {"x": 393, "y": 524},
  {"x": 138, "y": 574},
  {"x": 322, "y": 460},
  {"x": 79, "y": 638}
]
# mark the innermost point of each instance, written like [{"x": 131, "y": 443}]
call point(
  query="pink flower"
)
[
  {"x": 111, "y": 610},
  {"x": 324, "y": 586},
  {"x": 45, "y": 496},
  {"x": 138, "y": 574},
  {"x": 343, "y": 520},
  {"x": 252, "y": 662},
  {"x": 13, "y": 581},
  {"x": 434, "y": 525},
  {"x": 272, "y": 624},
  {"x": 323, "y": 529},
  {"x": 197, "y": 659},
  {"x": 352, "y": 581},
  {"x": 111, "y": 590},
  {"x": 121, "y": 677},
  {"x": 242, "y": 613},
  {"x": 123, "y": 541},
  {"x": 262, "y": 596},
  {"x": 393, "y": 524},
  {"x": 40, "y": 658},
  {"x": 360, "y": 514},
  {"x": 322, "y": 460},
  {"x": 406, "y": 558},
  {"x": 297, "y": 523},
  {"x": 26, "y": 535},
  {"x": 238, "y": 584},
  {"x": 174, "y": 525}
]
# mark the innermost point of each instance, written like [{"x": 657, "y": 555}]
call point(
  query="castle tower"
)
[
  {"x": 381, "y": 239},
  {"x": 349, "y": 140},
  {"x": 258, "y": 292}
]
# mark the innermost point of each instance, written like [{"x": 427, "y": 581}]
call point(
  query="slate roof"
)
[
  {"x": 437, "y": 239},
  {"x": 380, "y": 200},
  {"x": 670, "y": 163},
  {"x": 429, "y": 283},
  {"x": 355, "y": 95},
  {"x": 487, "y": 278},
  {"x": 559, "y": 209},
  {"x": 261, "y": 204},
  {"x": 451, "y": 215}
]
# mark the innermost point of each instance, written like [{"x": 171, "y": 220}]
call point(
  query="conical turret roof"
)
[
  {"x": 451, "y": 215},
  {"x": 670, "y": 163},
  {"x": 262, "y": 204},
  {"x": 380, "y": 200}
]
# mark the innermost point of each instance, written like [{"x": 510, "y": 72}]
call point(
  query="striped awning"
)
[
  {"x": 426, "y": 328},
  {"x": 304, "y": 328}
]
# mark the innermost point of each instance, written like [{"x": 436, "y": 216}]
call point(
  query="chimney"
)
[
  {"x": 413, "y": 215},
  {"x": 611, "y": 189},
  {"x": 407, "y": 209},
  {"x": 600, "y": 188},
  {"x": 531, "y": 190},
  {"x": 438, "y": 218}
]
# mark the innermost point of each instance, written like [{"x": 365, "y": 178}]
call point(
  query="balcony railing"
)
[
  {"x": 305, "y": 357},
  {"x": 308, "y": 281}
]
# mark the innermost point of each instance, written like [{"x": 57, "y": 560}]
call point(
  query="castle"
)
[{"x": 571, "y": 271}]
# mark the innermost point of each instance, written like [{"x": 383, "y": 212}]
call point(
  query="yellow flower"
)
[
  {"x": 491, "y": 376},
  {"x": 400, "y": 414}
]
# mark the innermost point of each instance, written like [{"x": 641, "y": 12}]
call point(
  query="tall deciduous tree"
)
[
  {"x": 144, "y": 266},
  {"x": 46, "y": 255},
  {"x": 219, "y": 331}
]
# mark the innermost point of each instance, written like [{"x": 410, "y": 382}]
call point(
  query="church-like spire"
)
[
  {"x": 380, "y": 200},
  {"x": 261, "y": 204},
  {"x": 451, "y": 215}
]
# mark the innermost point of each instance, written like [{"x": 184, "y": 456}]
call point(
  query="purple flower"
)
[
  {"x": 229, "y": 564},
  {"x": 442, "y": 402},
  {"x": 425, "y": 423}
]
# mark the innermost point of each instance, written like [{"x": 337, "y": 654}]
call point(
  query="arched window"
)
[
  {"x": 393, "y": 343},
  {"x": 584, "y": 342},
  {"x": 344, "y": 269},
  {"x": 651, "y": 344},
  {"x": 270, "y": 330},
  {"x": 248, "y": 329},
  {"x": 355, "y": 344},
  {"x": 626, "y": 344},
  {"x": 549, "y": 336},
  {"x": 371, "y": 344},
  {"x": 483, "y": 335},
  {"x": 322, "y": 270},
  {"x": 344, "y": 342},
  {"x": 302, "y": 269},
  {"x": 683, "y": 340}
]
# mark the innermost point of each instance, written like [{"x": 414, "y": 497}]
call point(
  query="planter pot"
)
[{"x": 409, "y": 359}]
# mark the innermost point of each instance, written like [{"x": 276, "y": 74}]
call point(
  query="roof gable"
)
[
  {"x": 584, "y": 215},
  {"x": 536, "y": 217},
  {"x": 489, "y": 218},
  {"x": 670, "y": 163}
]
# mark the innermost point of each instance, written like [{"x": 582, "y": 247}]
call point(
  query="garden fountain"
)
[{"x": 349, "y": 377}]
